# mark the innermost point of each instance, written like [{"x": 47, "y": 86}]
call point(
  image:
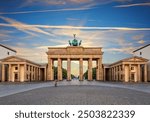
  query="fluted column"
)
[
  {"x": 45, "y": 74},
  {"x": 50, "y": 70},
  {"x": 129, "y": 73},
  {"x": 119, "y": 72},
  {"x": 138, "y": 73},
  {"x": 81, "y": 69},
  {"x": 68, "y": 69},
  {"x": 114, "y": 73},
  {"x": 59, "y": 69},
  {"x": 3, "y": 72},
  {"x": 97, "y": 70},
  {"x": 123, "y": 72},
  {"x": 145, "y": 73},
  {"x": 9, "y": 73},
  {"x": 39, "y": 74},
  {"x": 104, "y": 76},
  {"x": 19, "y": 72},
  {"x": 25, "y": 72},
  {"x": 90, "y": 69}
]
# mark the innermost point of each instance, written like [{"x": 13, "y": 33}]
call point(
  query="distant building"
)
[
  {"x": 18, "y": 69},
  {"x": 144, "y": 52},
  {"x": 5, "y": 51},
  {"x": 133, "y": 69}
]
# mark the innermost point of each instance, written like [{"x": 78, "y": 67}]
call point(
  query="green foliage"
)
[
  {"x": 64, "y": 73},
  {"x": 85, "y": 75}
]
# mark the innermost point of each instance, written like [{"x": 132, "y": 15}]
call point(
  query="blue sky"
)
[{"x": 118, "y": 26}]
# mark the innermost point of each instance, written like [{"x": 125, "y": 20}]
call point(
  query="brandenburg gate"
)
[{"x": 74, "y": 52}]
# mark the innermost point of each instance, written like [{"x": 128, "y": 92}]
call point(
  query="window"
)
[
  {"x": 16, "y": 76},
  {"x": 132, "y": 76},
  {"x": 140, "y": 53},
  {"x": 121, "y": 76},
  {"x": 16, "y": 68},
  {"x": 7, "y": 53},
  {"x": 132, "y": 68}
]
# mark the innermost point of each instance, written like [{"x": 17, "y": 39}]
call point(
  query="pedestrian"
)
[{"x": 55, "y": 83}]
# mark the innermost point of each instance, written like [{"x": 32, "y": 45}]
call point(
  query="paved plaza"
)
[{"x": 75, "y": 93}]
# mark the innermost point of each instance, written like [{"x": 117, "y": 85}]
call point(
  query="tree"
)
[
  {"x": 64, "y": 73},
  {"x": 85, "y": 75}
]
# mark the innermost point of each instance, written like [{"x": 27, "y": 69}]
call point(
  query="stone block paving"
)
[{"x": 75, "y": 93}]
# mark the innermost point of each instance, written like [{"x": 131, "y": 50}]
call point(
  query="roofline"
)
[
  {"x": 75, "y": 47},
  {"x": 25, "y": 60},
  {"x": 126, "y": 59},
  {"x": 8, "y": 48},
  {"x": 141, "y": 48}
]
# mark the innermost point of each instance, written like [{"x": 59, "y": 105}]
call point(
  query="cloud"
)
[
  {"x": 23, "y": 27},
  {"x": 33, "y": 54},
  {"x": 135, "y": 4},
  {"x": 64, "y": 5},
  {"x": 55, "y": 2},
  {"x": 35, "y": 28},
  {"x": 77, "y": 19},
  {"x": 141, "y": 42},
  {"x": 73, "y": 19},
  {"x": 138, "y": 37},
  {"x": 127, "y": 50},
  {"x": 43, "y": 11}
]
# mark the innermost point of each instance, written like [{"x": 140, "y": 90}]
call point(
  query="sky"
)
[{"x": 118, "y": 26}]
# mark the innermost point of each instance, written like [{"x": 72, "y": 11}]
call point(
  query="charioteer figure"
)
[{"x": 75, "y": 42}]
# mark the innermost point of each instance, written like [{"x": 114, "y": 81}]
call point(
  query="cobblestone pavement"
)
[{"x": 75, "y": 92}]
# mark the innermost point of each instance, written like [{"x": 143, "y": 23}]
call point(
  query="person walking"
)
[{"x": 55, "y": 83}]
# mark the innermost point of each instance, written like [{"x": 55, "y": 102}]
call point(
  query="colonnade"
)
[
  {"x": 129, "y": 72},
  {"x": 50, "y": 72},
  {"x": 20, "y": 72}
]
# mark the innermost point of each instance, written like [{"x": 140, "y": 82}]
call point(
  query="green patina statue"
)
[{"x": 75, "y": 42}]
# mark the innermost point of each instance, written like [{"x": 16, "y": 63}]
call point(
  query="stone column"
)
[
  {"x": 81, "y": 69},
  {"x": 19, "y": 72},
  {"x": 114, "y": 73},
  {"x": 90, "y": 69},
  {"x": 25, "y": 72},
  {"x": 110, "y": 76},
  {"x": 129, "y": 73},
  {"x": 118, "y": 73},
  {"x": 120, "y": 70},
  {"x": 50, "y": 75},
  {"x": 34, "y": 72},
  {"x": 39, "y": 74},
  {"x": 31, "y": 72},
  {"x": 10, "y": 73},
  {"x": 68, "y": 69},
  {"x": 3, "y": 72},
  {"x": 97, "y": 70},
  {"x": 138, "y": 73},
  {"x": 59, "y": 75},
  {"x": 104, "y": 74},
  {"x": 123, "y": 72},
  {"x": 145, "y": 73},
  {"x": 45, "y": 74}
]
